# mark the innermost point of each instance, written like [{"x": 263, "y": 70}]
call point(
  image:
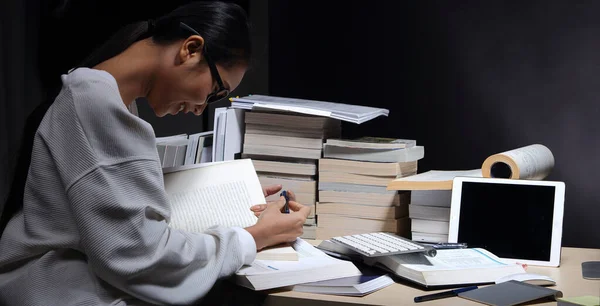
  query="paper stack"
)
[
  {"x": 353, "y": 197},
  {"x": 351, "y": 113}
]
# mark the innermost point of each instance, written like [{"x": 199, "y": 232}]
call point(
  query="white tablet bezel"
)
[{"x": 557, "y": 220}]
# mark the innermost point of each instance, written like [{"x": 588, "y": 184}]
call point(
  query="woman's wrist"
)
[{"x": 259, "y": 236}]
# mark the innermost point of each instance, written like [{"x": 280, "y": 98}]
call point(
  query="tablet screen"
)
[{"x": 509, "y": 220}]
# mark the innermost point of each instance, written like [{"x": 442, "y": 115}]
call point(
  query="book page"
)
[
  {"x": 213, "y": 194},
  {"x": 533, "y": 162},
  {"x": 456, "y": 259},
  {"x": 439, "y": 176}
]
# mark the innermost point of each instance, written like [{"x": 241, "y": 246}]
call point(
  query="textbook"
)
[
  {"x": 312, "y": 266},
  {"x": 373, "y": 143},
  {"x": 451, "y": 267},
  {"x": 369, "y": 281}
]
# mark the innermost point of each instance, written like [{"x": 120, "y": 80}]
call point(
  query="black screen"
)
[{"x": 511, "y": 221}]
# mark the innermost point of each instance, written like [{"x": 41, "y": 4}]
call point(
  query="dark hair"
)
[{"x": 224, "y": 27}]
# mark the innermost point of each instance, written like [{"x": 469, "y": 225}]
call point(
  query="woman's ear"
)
[{"x": 191, "y": 49}]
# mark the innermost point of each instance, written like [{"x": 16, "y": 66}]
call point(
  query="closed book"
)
[
  {"x": 282, "y": 252},
  {"x": 287, "y": 176},
  {"x": 369, "y": 281},
  {"x": 300, "y": 168},
  {"x": 309, "y": 231},
  {"x": 349, "y": 178},
  {"x": 263, "y": 129},
  {"x": 510, "y": 293},
  {"x": 312, "y": 266},
  {"x": 368, "y": 168},
  {"x": 345, "y": 187},
  {"x": 380, "y": 143},
  {"x": 294, "y": 121},
  {"x": 282, "y": 151},
  {"x": 365, "y": 198},
  {"x": 429, "y": 237},
  {"x": 429, "y": 226},
  {"x": 283, "y": 141},
  {"x": 430, "y": 180},
  {"x": 373, "y": 155},
  {"x": 297, "y": 186},
  {"x": 429, "y": 213},
  {"x": 362, "y": 224},
  {"x": 363, "y": 211},
  {"x": 438, "y": 198}
]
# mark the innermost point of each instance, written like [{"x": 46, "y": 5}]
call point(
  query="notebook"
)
[{"x": 510, "y": 293}]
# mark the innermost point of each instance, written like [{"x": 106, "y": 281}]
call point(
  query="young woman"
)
[{"x": 92, "y": 228}]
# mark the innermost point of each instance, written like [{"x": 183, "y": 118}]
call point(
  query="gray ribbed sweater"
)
[{"x": 93, "y": 230}]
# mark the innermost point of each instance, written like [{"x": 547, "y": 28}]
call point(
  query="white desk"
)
[{"x": 568, "y": 280}]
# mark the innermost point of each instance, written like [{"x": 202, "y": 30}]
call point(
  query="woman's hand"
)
[
  {"x": 268, "y": 191},
  {"x": 274, "y": 227}
]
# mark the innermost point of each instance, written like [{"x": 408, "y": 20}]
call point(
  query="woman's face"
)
[{"x": 182, "y": 85}]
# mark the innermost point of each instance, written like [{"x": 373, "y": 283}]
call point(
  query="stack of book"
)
[
  {"x": 353, "y": 176},
  {"x": 285, "y": 148},
  {"x": 430, "y": 199},
  {"x": 183, "y": 149}
]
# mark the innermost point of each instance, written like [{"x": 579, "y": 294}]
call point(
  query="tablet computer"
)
[{"x": 517, "y": 220}]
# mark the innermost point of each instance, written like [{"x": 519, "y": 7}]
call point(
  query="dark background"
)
[{"x": 465, "y": 79}]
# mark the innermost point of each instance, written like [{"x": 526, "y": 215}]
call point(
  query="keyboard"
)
[{"x": 382, "y": 244}]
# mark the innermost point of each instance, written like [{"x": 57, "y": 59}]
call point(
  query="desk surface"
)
[{"x": 568, "y": 280}]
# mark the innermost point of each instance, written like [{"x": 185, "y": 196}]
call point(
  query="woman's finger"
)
[
  {"x": 258, "y": 208},
  {"x": 272, "y": 189}
]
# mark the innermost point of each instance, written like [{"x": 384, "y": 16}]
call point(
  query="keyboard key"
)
[{"x": 379, "y": 244}]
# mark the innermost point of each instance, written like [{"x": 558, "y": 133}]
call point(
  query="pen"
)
[
  {"x": 442, "y": 295},
  {"x": 286, "y": 207},
  {"x": 446, "y": 245}
]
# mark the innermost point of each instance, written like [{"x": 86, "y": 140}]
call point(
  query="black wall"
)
[{"x": 466, "y": 79}]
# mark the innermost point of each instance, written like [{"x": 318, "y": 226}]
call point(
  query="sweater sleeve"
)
[
  {"x": 118, "y": 210},
  {"x": 109, "y": 165}
]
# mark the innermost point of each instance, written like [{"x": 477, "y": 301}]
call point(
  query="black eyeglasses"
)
[{"x": 221, "y": 92}]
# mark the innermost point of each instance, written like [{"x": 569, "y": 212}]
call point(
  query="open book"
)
[
  {"x": 533, "y": 162},
  {"x": 448, "y": 268},
  {"x": 451, "y": 267},
  {"x": 205, "y": 195}
]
